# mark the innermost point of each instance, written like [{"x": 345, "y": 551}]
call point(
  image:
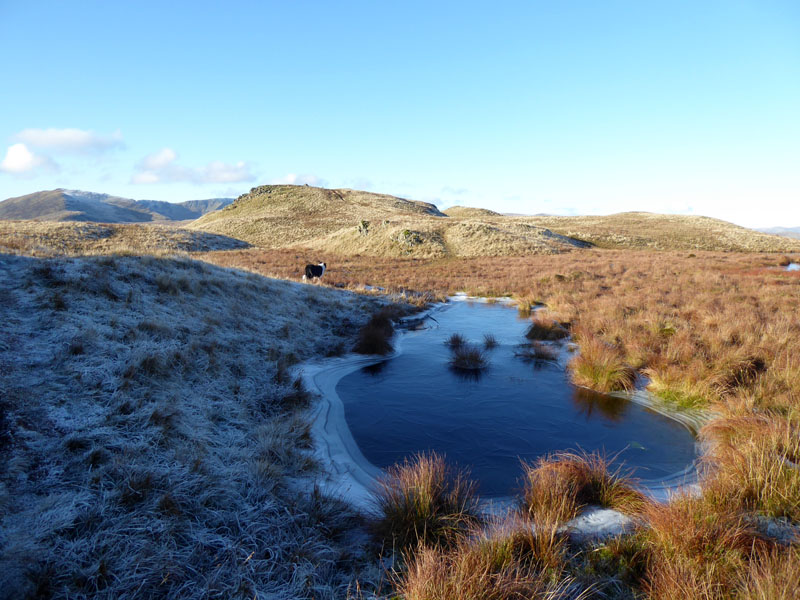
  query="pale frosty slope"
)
[{"x": 147, "y": 440}]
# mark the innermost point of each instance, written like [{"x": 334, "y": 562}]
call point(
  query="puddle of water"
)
[
  {"x": 793, "y": 267},
  {"x": 489, "y": 421}
]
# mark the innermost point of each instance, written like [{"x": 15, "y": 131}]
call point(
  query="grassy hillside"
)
[
  {"x": 36, "y": 238},
  {"x": 348, "y": 221},
  {"x": 76, "y": 205},
  {"x": 280, "y": 215},
  {"x": 470, "y": 212},
  {"x": 152, "y": 443},
  {"x": 641, "y": 230},
  {"x": 351, "y": 222}
]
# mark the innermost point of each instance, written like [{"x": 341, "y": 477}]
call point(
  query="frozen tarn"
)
[{"x": 352, "y": 474}]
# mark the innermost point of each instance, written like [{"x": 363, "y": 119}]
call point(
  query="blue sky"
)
[{"x": 557, "y": 107}]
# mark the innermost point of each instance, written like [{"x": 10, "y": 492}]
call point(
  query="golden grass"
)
[
  {"x": 772, "y": 575},
  {"x": 754, "y": 464},
  {"x": 545, "y": 329},
  {"x": 470, "y": 572},
  {"x": 511, "y": 558},
  {"x": 697, "y": 550}
]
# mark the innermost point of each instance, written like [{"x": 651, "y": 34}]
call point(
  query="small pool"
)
[
  {"x": 793, "y": 267},
  {"x": 514, "y": 410}
]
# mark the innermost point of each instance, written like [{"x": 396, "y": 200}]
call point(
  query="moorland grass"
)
[
  {"x": 698, "y": 550},
  {"x": 771, "y": 575},
  {"x": 708, "y": 329},
  {"x": 753, "y": 464}
]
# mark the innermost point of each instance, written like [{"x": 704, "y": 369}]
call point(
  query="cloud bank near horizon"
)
[
  {"x": 70, "y": 140},
  {"x": 162, "y": 167},
  {"x": 33, "y": 148}
]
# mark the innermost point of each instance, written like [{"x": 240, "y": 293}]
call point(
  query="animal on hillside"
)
[{"x": 314, "y": 271}]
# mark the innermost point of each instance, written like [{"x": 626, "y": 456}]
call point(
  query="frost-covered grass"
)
[{"x": 152, "y": 441}]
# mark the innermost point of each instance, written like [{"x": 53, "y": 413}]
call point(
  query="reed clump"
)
[
  {"x": 456, "y": 340},
  {"x": 601, "y": 366},
  {"x": 468, "y": 358},
  {"x": 489, "y": 341},
  {"x": 512, "y": 557},
  {"x": 424, "y": 501},
  {"x": 546, "y": 329},
  {"x": 771, "y": 575},
  {"x": 375, "y": 337},
  {"x": 537, "y": 351},
  {"x": 557, "y": 487}
]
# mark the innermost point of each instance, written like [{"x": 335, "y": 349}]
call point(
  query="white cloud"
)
[
  {"x": 159, "y": 160},
  {"x": 20, "y": 160},
  {"x": 301, "y": 179},
  {"x": 162, "y": 167},
  {"x": 145, "y": 177},
  {"x": 220, "y": 172},
  {"x": 70, "y": 140}
]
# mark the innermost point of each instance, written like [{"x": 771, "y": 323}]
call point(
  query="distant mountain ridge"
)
[
  {"x": 78, "y": 205},
  {"x": 790, "y": 232}
]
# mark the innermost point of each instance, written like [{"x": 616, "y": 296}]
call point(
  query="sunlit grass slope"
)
[
  {"x": 353, "y": 222},
  {"x": 644, "y": 230}
]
